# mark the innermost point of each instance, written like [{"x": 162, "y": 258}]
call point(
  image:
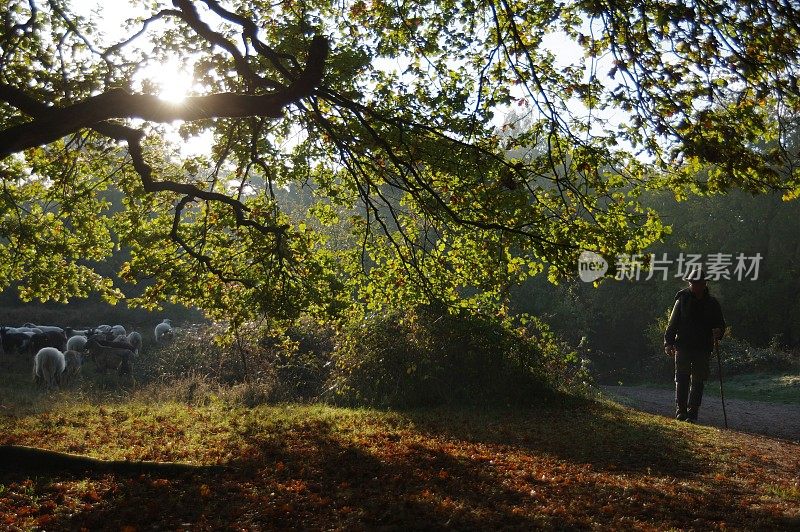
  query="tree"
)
[{"x": 394, "y": 115}]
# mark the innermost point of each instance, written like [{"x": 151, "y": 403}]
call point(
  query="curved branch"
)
[
  {"x": 58, "y": 122},
  {"x": 133, "y": 137},
  {"x": 250, "y": 31}
]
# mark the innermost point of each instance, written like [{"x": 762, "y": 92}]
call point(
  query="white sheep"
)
[
  {"x": 135, "y": 340},
  {"x": 44, "y": 328},
  {"x": 76, "y": 343},
  {"x": 78, "y": 332},
  {"x": 118, "y": 330},
  {"x": 164, "y": 331},
  {"x": 48, "y": 365}
]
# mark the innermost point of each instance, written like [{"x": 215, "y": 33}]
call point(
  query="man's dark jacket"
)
[{"x": 691, "y": 321}]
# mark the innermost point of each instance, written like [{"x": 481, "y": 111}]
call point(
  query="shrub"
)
[
  {"x": 428, "y": 357},
  {"x": 302, "y": 362},
  {"x": 196, "y": 350},
  {"x": 738, "y": 356}
]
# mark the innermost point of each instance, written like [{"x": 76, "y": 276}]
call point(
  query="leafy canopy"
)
[{"x": 383, "y": 151}]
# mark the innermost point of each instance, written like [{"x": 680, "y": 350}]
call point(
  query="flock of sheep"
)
[{"x": 60, "y": 353}]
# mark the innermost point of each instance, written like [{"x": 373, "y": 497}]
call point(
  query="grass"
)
[
  {"x": 772, "y": 388},
  {"x": 567, "y": 463},
  {"x": 783, "y": 387}
]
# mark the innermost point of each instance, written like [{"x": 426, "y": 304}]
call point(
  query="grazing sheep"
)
[
  {"x": 48, "y": 365},
  {"x": 164, "y": 331},
  {"x": 14, "y": 340},
  {"x": 57, "y": 339},
  {"x": 76, "y": 343},
  {"x": 135, "y": 340},
  {"x": 74, "y": 361},
  {"x": 39, "y": 340},
  {"x": 49, "y": 338},
  {"x": 44, "y": 328},
  {"x": 78, "y": 332},
  {"x": 109, "y": 357},
  {"x": 119, "y": 342},
  {"x": 44, "y": 336},
  {"x": 118, "y": 330}
]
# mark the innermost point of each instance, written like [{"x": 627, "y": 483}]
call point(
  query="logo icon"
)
[{"x": 591, "y": 266}]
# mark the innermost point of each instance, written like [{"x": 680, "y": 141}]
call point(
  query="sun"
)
[{"x": 172, "y": 81}]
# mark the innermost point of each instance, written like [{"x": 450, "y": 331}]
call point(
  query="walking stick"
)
[{"x": 721, "y": 393}]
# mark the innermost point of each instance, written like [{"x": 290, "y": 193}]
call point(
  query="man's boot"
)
[
  {"x": 681, "y": 395},
  {"x": 695, "y": 397}
]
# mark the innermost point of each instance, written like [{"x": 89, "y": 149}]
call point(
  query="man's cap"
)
[{"x": 695, "y": 274}]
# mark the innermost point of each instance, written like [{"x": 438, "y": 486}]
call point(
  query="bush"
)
[
  {"x": 428, "y": 357},
  {"x": 738, "y": 357},
  {"x": 280, "y": 366},
  {"x": 303, "y": 361},
  {"x": 194, "y": 351}
]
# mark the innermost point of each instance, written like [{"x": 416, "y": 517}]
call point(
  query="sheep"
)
[
  {"x": 78, "y": 332},
  {"x": 48, "y": 338},
  {"x": 164, "y": 331},
  {"x": 23, "y": 329},
  {"x": 76, "y": 343},
  {"x": 45, "y": 336},
  {"x": 39, "y": 340},
  {"x": 57, "y": 339},
  {"x": 14, "y": 340},
  {"x": 44, "y": 328},
  {"x": 74, "y": 361},
  {"x": 119, "y": 342},
  {"x": 48, "y": 365},
  {"x": 109, "y": 357},
  {"x": 135, "y": 340},
  {"x": 118, "y": 330}
]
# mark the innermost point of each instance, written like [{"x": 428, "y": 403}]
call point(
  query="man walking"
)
[{"x": 695, "y": 323}]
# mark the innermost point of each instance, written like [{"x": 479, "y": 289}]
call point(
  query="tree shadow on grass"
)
[
  {"x": 573, "y": 429},
  {"x": 452, "y": 470}
]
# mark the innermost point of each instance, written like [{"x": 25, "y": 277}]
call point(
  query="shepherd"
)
[{"x": 695, "y": 324}]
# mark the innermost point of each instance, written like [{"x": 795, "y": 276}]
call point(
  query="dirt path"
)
[{"x": 771, "y": 419}]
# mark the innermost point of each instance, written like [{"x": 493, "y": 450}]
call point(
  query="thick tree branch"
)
[
  {"x": 133, "y": 137},
  {"x": 58, "y": 122}
]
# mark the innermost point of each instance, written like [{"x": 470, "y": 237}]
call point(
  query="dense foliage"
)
[{"x": 398, "y": 116}]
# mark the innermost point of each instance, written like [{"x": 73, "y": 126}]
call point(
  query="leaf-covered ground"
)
[{"x": 570, "y": 463}]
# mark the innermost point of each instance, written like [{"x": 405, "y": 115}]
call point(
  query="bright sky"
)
[{"x": 174, "y": 81}]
